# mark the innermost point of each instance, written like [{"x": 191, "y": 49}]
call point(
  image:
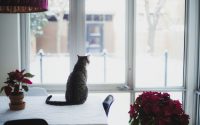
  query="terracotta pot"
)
[{"x": 16, "y": 101}]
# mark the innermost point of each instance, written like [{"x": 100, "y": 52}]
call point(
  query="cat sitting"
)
[{"x": 76, "y": 88}]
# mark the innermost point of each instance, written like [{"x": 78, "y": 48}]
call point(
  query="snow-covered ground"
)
[
  {"x": 57, "y": 68},
  {"x": 149, "y": 70}
]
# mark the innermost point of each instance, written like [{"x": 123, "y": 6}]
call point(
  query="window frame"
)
[
  {"x": 197, "y": 92},
  {"x": 192, "y": 55}
]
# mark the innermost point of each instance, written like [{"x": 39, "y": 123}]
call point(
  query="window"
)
[
  {"x": 51, "y": 48},
  {"x": 49, "y": 53},
  {"x": 61, "y": 35},
  {"x": 134, "y": 46},
  {"x": 159, "y": 44},
  {"x": 105, "y": 40}
]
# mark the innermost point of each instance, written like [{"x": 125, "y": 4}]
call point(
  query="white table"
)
[{"x": 89, "y": 113}]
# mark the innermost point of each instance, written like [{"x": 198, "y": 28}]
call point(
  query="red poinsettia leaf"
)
[
  {"x": 29, "y": 75},
  {"x": 26, "y": 81},
  {"x": 7, "y": 90},
  {"x": 12, "y": 75}
]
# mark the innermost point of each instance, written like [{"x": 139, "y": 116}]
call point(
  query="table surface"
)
[{"x": 89, "y": 113}]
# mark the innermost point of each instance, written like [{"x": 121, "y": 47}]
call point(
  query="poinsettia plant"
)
[
  {"x": 17, "y": 82},
  {"x": 156, "y": 108}
]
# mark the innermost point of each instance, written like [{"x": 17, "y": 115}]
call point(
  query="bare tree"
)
[
  {"x": 59, "y": 8},
  {"x": 153, "y": 19},
  {"x": 38, "y": 21}
]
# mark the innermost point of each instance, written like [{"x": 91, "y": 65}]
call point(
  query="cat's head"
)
[{"x": 84, "y": 59}]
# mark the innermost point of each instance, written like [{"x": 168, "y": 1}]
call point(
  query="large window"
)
[{"x": 134, "y": 45}]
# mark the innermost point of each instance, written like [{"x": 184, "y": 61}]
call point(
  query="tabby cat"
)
[{"x": 76, "y": 88}]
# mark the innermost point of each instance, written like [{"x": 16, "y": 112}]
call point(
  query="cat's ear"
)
[
  {"x": 88, "y": 59},
  {"x": 88, "y": 56}
]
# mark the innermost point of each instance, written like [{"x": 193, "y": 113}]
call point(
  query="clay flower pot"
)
[{"x": 16, "y": 101}]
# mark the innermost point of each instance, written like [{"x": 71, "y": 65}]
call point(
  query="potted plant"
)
[
  {"x": 16, "y": 84},
  {"x": 155, "y": 108}
]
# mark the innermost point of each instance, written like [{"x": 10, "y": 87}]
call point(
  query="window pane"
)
[
  {"x": 49, "y": 56},
  {"x": 159, "y": 42},
  {"x": 105, "y": 40}
]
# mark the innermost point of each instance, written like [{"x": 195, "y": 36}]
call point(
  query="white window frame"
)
[
  {"x": 197, "y": 92},
  {"x": 192, "y": 55},
  {"x": 77, "y": 29}
]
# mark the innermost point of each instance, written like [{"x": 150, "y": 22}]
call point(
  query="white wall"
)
[{"x": 9, "y": 44}]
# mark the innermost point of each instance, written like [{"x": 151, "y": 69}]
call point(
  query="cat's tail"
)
[{"x": 56, "y": 103}]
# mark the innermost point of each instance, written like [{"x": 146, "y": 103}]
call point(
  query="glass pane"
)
[
  {"x": 49, "y": 56},
  {"x": 105, "y": 40},
  {"x": 159, "y": 42}
]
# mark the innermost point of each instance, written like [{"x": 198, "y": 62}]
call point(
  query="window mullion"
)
[
  {"x": 130, "y": 51},
  {"x": 76, "y": 30},
  {"x": 191, "y": 57},
  {"x": 25, "y": 36}
]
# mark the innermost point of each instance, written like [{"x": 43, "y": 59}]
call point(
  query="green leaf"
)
[
  {"x": 29, "y": 75},
  {"x": 136, "y": 122},
  {"x": 25, "y": 87},
  {"x": 2, "y": 88},
  {"x": 10, "y": 82}
]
